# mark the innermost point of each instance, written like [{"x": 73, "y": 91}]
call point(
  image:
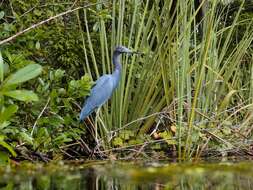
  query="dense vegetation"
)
[{"x": 189, "y": 94}]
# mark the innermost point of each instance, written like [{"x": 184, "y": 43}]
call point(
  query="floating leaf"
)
[
  {"x": 126, "y": 134},
  {"x": 168, "y": 137},
  {"x": 117, "y": 142},
  {"x": 23, "y": 95},
  {"x": 24, "y": 74}
]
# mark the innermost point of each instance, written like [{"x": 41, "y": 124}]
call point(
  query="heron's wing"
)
[
  {"x": 102, "y": 80},
  {"x": 100, "y": 93}
]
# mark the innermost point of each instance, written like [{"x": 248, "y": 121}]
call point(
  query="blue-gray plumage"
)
[{"x": 105, "y": 85}]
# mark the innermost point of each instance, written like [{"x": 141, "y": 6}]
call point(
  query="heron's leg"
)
[
  {"x": 96, "y": 131},
  {"x": 96, "y": 124}
]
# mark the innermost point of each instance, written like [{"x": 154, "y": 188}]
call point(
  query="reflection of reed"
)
[
  {"x": 172, "y": 176},
  {"x": 89, "y": 179}
]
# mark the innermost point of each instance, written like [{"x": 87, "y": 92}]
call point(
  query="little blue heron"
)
[{"x": 105, "y": 85}]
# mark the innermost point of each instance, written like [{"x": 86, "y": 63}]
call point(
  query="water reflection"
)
[{"x": 115, "y": 177}]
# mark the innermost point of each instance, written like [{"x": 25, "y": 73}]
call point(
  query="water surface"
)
[{"x": 129, "y": 176}]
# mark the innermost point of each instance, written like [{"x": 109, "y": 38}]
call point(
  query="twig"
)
[
  {"x": 85, "y": 145},
  {"x": 69, "y": 145},
  {"x": 203, "y": 148},
  {"x": 69, "y": 155},
  {"x": 140, "y": 150},
  {"x": 73, "y": 4},
  {"x": 219, "y": 138},
  {"x": 139, "y": 119},
  {"x": 45, "y": 21},
  {"x": 233, "y": 114},
  {"x": 35, "y": 123}
]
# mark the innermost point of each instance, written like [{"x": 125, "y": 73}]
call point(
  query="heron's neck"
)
[
  {"x": 116, "y": 62},
  {"x": 117, "y": 68}
]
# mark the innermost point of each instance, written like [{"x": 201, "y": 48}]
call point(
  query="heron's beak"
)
[
  {"x": 137, "y": 52},
  {"x": 126, "y": 50},
  {"x": 130, "y": 52}
]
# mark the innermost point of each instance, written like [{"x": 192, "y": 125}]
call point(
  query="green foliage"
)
[
  {"x": 22, "y": 75},
  {"x": 9, "y": 85},
  {"x": 197, "y": 71},
  {"x": 79, "y": 88},
  {"x": 8, "y": 89},
  {"x": 199, "y": 75},
  {"x": 59, "y": 123}
]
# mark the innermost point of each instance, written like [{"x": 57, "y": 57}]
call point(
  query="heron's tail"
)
[{"x": 84, "y": 113}]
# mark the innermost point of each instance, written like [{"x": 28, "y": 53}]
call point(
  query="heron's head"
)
[{"x": 122, "y": 49}]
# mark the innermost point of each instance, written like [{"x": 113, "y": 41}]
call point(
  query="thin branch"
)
[
  {"x": 72, "y": 6},
  {"x": 45, "y": 21},
  {"x": 139, "y": 119},
  {"x": 35, "y": 123}
]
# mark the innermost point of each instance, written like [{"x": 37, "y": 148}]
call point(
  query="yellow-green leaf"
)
[
  {"x": 23, "y": 95},
  {"x": 117, "y": 142}
]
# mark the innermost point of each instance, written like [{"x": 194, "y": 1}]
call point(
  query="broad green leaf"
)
[
  {"x": 24, "y": 74},
  {"x": 7, "y": 113},
  {"x": 8, "y": 147},
  {"x": 1, "y": 68},
  {"x": 23, "y": 95}
]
